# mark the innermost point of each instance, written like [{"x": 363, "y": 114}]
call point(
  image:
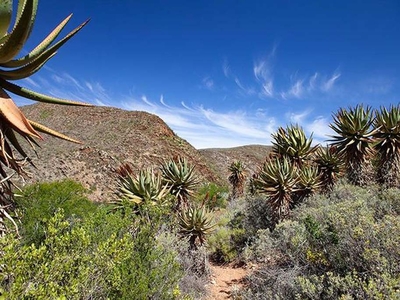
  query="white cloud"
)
[
  {"x": 246, "y": 90},
  {"x": 206, "y": 128},
  {"x": 268, "y": 88},
  {"x": 328, "y": 84},
  {"x": 226, "y": 69},
  {"x": 299, "y": 117},
  {"x": 208, "y": 83},
  {"x": 320, "y": 129},
  {"x": 313, "y": 81},
  {"x": 296, "y": 90},
  {"x": 263, "y": 74}
]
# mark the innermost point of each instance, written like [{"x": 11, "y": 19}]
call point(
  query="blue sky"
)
[{"x": 225, "y": 73}]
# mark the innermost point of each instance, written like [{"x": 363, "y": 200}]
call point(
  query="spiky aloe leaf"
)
[
  {"x": 34, "y": 61},
  {"x": 28, "y": 65},
  {"x": 29, "y": 94},
  {"x": 5, "y": 16},
  {"x": 44, "y": 129},
  {"x": 20, "y": 33},
  {"x": 145, "y": 187},
  {"x": 309, "y": 182},
  {"x": 331, "y": 166},
  {"x": 27, "y": 70},
  {"x": 40, "y": 48},
  {"x": 10, "y": 112}
]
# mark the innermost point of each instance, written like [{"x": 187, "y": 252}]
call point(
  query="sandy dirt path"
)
[{"x": 224, "y": 279}]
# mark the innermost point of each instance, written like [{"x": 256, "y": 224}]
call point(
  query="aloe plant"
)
[
  {"x": 14, "y": 67},
  {"x": 330, "y": 166},
  {"x": 354, "y": 140},
  {"x": 145, "y": 187},
  {"x": 180, "y": 178},
  {"x": 278, "y": 180},
  {"x": 195, "y": 223},
  {"x": 292, "y": 143},
  {"x": 237, "y": 178},
  {"x": 387, "y": 138},
  {"x": 308, "y": 184}
]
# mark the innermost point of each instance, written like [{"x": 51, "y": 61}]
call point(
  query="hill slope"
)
[
  {"x": 113, "y": 136},
  {"x": 252, "y": 156}
]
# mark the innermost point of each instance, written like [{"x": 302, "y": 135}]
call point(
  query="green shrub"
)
[
  {"x": 100, "y": 258},
  {"x": 342, "y": 246},
  {"x": 216, "y": 196},
  {"x": 237, "y": 227},
  {"x": 37, "y": 203},
  {"x": 228, "y": 239},
  {"x": 222, "y": 245}
]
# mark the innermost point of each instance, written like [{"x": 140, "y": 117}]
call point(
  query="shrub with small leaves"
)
[
  {"x": 99, "y": 258},
  {"x": 344, "y": 245}
]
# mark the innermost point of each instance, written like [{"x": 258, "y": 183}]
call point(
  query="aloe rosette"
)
[{"x": 14, "y": 67}]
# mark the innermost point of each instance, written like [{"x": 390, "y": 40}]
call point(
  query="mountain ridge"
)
[{"x": 113, "y": 136}]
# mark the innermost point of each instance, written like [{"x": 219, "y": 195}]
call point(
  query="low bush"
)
[
  {"x": 216, "y": 196},
  {"x": 101, "y": 258},
  {"x": 71, "y": 248},
  {"x": 37, "y": 203},
  {"x": 341, "y": 246}
]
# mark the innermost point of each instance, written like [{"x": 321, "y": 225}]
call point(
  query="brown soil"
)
[{"x": 224, "y": 280}]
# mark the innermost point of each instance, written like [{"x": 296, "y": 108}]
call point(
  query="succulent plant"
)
[
  {"x": 278, "y": 180},
  {"x": 195, "y": 223},
  {"x": 330, "y": 166},
  {"x": 354, "y": 139},
  {"x": 12, "y": 121},
  {"x": 146, "y": 187},
  {"x": 180, "y": 178},
  {"x": 387, "y": 138},
  {"x": 237, "y": 178},
  {"x": 292, "y": 143},
  {"x": 308, "y": 184}
]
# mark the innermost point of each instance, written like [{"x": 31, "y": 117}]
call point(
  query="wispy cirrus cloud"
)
[
  {"x": 65, "y": 86},
  {"x": 208, "y": 83},
  {"x": 226, "y": 69},
  {"x": 309, "y": 86},
  {"x": 207, "y": 128},
  {"x": 329, "y": 83},
  {"x": 269, "y": 84},
  {"x": 263, "y": 74},
  {"x": 296, "y": 90}
]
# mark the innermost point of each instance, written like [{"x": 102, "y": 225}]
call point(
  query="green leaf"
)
[
  {"x": 20, "y": 33},
  {"x": 5, "y": 16}
]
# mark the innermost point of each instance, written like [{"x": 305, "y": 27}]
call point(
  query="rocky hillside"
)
[
  {"x": 252, "y": 156},
  {"x": 113, "y": 136}
]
